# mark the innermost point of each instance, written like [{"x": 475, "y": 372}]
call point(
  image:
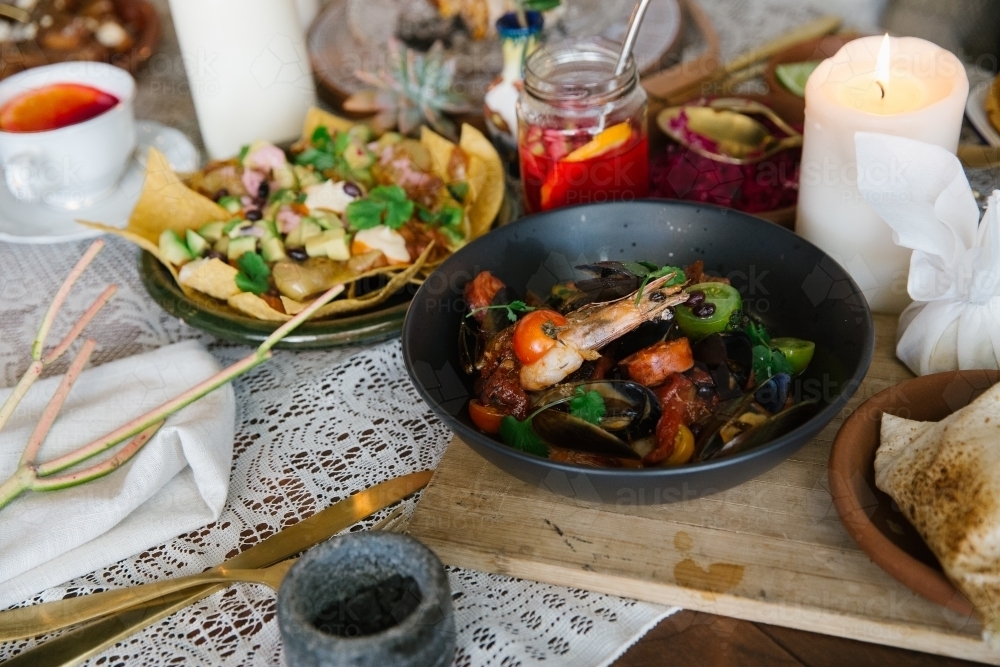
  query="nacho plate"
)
[{"x": 217, "y": 293}]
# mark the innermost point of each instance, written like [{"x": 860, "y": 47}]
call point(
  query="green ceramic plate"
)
[
  {"x": 218, "y": 319},
  {"x": 202, "y": 312}
]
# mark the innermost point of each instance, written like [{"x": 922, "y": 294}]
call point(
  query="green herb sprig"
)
[
  {"x": 385, "y": 205},
  {"x": 653, "y": 273},
  {"x": 514, "y": 308},
  {"x": 253, "y": 273}
]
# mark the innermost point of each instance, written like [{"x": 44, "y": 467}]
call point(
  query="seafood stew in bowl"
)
[{"x": 624, "y": 351}]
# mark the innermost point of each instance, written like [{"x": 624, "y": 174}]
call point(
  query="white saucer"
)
[
  {"x": 37, "y": 223},
  {"x": 975, "y": 109}
]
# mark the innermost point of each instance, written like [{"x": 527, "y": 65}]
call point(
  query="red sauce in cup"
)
[{"x": 54, "y": 106}]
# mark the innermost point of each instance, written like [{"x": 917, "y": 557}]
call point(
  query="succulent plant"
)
[{"x": 413, "y": 89}]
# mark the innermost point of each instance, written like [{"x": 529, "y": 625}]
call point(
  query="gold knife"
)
[{"x": 86, "y": 641}]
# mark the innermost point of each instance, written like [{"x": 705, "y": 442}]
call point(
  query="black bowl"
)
[{"x": 787, "y": 283}]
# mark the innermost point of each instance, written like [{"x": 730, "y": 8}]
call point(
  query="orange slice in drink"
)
[{"x": 607, "y": 140}]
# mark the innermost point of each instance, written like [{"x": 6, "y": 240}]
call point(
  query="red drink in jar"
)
[
  {"x": 565, "y": 169},
  {"x": 581, "y": 127}
]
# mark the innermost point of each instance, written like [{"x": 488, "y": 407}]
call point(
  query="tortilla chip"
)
[
  {"x": 440, "y": 150},
  {"x": 316, "y": 117},
  {"x": 210, "y": 276},
  {"x": 165, "y": 203},
  {"x": 489, "y": 198},
  {"x": 254, "y": 306}
]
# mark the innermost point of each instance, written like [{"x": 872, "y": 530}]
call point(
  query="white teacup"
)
[{"x": 73, "y": 166}]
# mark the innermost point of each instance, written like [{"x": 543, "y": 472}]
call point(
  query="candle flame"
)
[{"x": 882, "y": 65}]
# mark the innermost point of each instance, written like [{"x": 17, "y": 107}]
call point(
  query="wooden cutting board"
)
[{"x": 772, "y": 550}]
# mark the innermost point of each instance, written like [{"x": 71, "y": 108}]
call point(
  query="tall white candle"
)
[
  {"x": 918, "y": 91},
  {"x": 248, "y": 69}
]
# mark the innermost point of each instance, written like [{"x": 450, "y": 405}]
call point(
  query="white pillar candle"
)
[
  {"x": 248, "y": 70},
  {"x": 915, "y": 89}
]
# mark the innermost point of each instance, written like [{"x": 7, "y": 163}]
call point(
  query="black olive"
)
[
  {"x": 695, "y": 297},
  {"x": 657, "y": 297},
  {"x": 298, "y": 254},
  {"x": 706, "y": 391},
  {"x": 264, "y": 190},
  {"x": 254, "y": 214},
  {"x": 220, "y": 193},
  {"x": 215, "y": 254},
  {"x": 352, "y": 189},
  {"x": 703, "y": 310}
]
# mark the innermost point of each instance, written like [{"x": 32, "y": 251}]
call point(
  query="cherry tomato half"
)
[
  {"x": 485, "y": 417},
  {"x": 535, "y": 334}
]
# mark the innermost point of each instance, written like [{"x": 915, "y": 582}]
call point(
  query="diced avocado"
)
[
  {"x": 306, "y": 176},
  {"x": 237, "y": 229},
  {"x": 268, "y": 227},
  {"x": 331, "y": 243},
  {"x": 195, "y": 243},
  {"x": 229, "y": 226},
  {"x": 222, "y": 245},
  {"x": 326, "y": 219},
  {"x": 459, "y": 190},
  {"x": 212, "y": 231},
  {"x": 284, "y": 176},
  {"x": 240, "y": 245},
  {"x": 358, "y": 157},
  {"x": 173, "y": 249},
  {"x": 361, "y": 133},
  {"x": 231, "y": 203},
  {"x": 272, "y": 249},
  {"x": 298, "y": 236}
]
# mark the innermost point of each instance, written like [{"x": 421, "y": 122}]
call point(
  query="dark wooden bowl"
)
[
  {"x": 869, "y": 515},
  {"x": 785, "y": 103}
]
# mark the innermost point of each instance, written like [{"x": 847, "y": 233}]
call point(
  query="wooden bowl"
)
[
  {"x": 785, "y": 103},
  {"x": 870, "y": 515}
]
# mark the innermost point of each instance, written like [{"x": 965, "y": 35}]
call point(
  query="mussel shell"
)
[
  {"x": 496, "y": 319},
  {"x": 775, "y": 427},
  {"x": 561, "y": 429},
  {"x": 631, "y": 409},
  {"x": 709, "y": 440},
  {"x": 469, "y": 345},
  {"x": 774, "y": 393},
  {"x": 729, "y": 359}
]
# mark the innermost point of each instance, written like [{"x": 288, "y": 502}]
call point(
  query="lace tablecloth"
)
[{"x": 312, "y": 428}]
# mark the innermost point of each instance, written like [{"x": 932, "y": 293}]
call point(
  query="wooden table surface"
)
[{"x": 696, "y": 638}]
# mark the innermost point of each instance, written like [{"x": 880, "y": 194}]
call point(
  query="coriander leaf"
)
[
  {"x": 513, "y": 309},
  {"x": 758, "y": 334},
  {"x": 450, "y": 216},
  {"x": 767, "y": 363},
  {"x": 398, "y": 213},
  {"x": 453, "y": 236},
  {"x": 520, "y": 435},
  {"x": 314, "y": 157},
  {"x": 587, "y": 405},
  {"x": 425, "y": 214},
  {"x": 320, "y": 137},
  {"x": 459, "y": 191},
  {"x": 678, "y": 279},
  {"x": 253, "y": 273},
  {"x": 364, "y": 213},
  {"x": 340, "y": 143}
]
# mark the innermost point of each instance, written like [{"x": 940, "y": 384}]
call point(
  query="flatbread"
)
[{"x": 945, "y": 477}]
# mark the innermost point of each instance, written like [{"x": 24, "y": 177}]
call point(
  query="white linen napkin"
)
[
  {"x": 178, "y": 482},
  {"x": 921, "y": 191}
]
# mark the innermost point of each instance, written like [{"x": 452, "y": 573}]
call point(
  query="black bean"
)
[
  {"x": 352, "y": 189},
  {"x": 254, "y": 214},
  {"x": 264, "y": 190},
  {"x": 220, "y": 193},
  {"x": 706, "y": 391},
  {"x": 215, "y": 254},
  {"x": 703, "y": 310},
  {"x": 657, "y": 297},
  {"x": 695, "y": 297},
  {"x": 298, "y": 254}
]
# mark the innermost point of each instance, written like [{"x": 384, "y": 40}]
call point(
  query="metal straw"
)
[{"x": 633, "y": 30}]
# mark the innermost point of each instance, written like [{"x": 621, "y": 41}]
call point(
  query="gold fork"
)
[{"x": 44, "y": 618}]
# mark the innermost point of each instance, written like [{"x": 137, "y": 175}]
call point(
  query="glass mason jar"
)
[{"x": 581, "y": 129}]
